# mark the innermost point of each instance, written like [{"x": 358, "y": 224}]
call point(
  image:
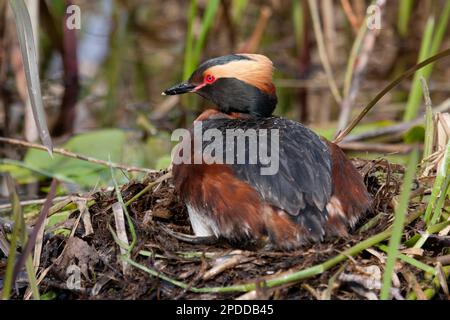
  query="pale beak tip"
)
[{"x": 163, "y": 93}]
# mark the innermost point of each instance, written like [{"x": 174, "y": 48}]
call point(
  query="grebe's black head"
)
[{"x": 234, "y": 83}]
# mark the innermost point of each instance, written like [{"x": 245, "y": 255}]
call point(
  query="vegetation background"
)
[{"x": 101, "y": 83}]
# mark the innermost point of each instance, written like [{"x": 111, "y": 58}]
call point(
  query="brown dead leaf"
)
[{"x": 78, "y": 252}]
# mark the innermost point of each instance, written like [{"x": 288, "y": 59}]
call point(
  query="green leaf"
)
[
  {"x": 51, "y": 295},
  {"x": 30, "y": 62},
  {"x": 415, "y": 134},
  {"x": 98, "y": 144}
]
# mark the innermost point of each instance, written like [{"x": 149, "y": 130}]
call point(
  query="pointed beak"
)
[{"x": 179, "y": 89}]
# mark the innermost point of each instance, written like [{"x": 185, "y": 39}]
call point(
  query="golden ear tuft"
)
[
  {"x": 257, "y": 71},
  {"x": 259, "y": 58}
]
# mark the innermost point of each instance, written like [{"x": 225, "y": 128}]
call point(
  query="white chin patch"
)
[{"x": 201, "y": 224}]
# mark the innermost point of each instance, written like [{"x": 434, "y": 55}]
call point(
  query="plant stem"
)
[
  {"x": 322, "y": 51},
  {"x": 289, "y": 276},
  {"x": 397, "y": 228}
]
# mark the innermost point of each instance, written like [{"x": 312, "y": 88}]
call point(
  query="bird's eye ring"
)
[{"x": 209, "y": 78}]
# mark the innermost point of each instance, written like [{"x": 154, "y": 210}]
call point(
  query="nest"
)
[{"x": 88, "y": 264}]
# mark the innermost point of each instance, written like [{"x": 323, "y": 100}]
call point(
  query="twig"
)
[
  {"x": 252, "y": 44},
  {"x": 8, "y": 206},
  {"x": 444, "y": 260},
  {"x": 368, "y": 85},
  {"x": 164, "y": 177},
  {"x": 251, "y": 295},
  {"x": 412, "y": 281},
  {"x": 435, "y": 284},
  {"x": 388, "y": 88},
  {"x": 384, "y": 131},
  {"x": 442, "y": 278},
  {"x": 64, "y": 286},
  {"x": 332, "y": 281},
  {"x": 376, "y": 147},
  {"x": 359, "y": 58},
  {"x": 75, "y": 155},
  {"x": 286, "y": 277},
  {"x": 371, "y": 223},
  {"x": 20, "y": 234},
  {"x": 230, "y": 262},
  {"x": 162, "y": 109},
  {"x": 352, "y": 82},
  {"x": 40, "y": 223},
  {"x": 313, "y": 292},
  {"x": 85, "y": 216},
  {"x": 329, "y": 27},
  {"x": 4, "y": 244},
  {"x": 121, "y": 231},
  {"x": 206, "y": 240},
  {"x": 355, "y": 23},
  {"x": 129, "y": 221},
  {"x": 396, "y": 128}
]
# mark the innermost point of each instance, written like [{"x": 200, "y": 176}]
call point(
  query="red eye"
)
[{"x": 209, "y": 78}]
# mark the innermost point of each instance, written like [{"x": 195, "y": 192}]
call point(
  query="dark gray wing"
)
[{"x": 302, "y": 185}]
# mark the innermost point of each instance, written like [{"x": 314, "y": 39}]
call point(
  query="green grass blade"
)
[
  {"x": 420, "y": 239},
  {"x": 207, "y": 20},
  {"x": 188, "y": 51},
  {"x": 238, "y": 9},
  {"x": 415, "y": 95},
  {"x": 440, "y": 202},
  {"x": 31, "y": 68},
  {"x": 397, "y": 228},
  {"x": 32, "y": 278},
  {"x": 114, "y": 64},
  {"x": 29, "y": 242},
  {"x": 431, "y": 44},
  {"x": 298, "y": 20},
  {"x": 389, "y": 87},
  {"x": 14, "y": 198},
  {"x": 439, "y": 34},
  {"x": 287, "y": 277},
  {"x": 404, "y": 14},
  {"x": 437, "y": 186},
  {"x": 429, "y": 125},
  {"x": 435, "y": 285},
  {"x": 19, "y": 233},
  {"x": 435, "y": 228},
  {"x": 414, "y": 262}
]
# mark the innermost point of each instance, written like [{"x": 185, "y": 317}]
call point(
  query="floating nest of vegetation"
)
[{"x": 85, "y": 255}]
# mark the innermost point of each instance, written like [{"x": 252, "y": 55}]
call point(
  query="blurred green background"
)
[{"x": 102, "y": 83}]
